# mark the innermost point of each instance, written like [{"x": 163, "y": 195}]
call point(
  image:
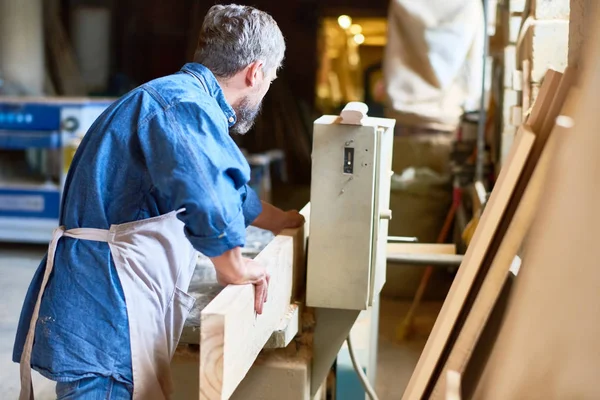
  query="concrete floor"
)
[{"x": 18, "y": 263}]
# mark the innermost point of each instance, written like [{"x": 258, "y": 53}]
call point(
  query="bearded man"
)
[{"x": 156, "y": 180}]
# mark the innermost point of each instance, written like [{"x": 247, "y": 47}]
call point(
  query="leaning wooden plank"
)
[
  {"x": 496, "y": 276},
  {"x": 458, "y": 299},
  {"x": 545, "y": 108},
  {"x": 547, "y": 347},
  {"x": 543, "y": 102},
  {"x": 469, "y": 268},
  {"x": 231, "y": 334}
]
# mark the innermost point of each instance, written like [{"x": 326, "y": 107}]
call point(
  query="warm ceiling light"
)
[
  {"x": 359, "y": 39},
  {"x": 355, "y": 29},
  {"x": 344, "y": 21}
]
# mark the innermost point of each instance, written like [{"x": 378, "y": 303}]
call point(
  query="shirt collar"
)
[{"x": 210, "y": 83}]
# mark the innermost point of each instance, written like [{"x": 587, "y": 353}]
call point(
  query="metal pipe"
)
[
  {"x": 479, "y": 166},
  {"x": 441, "y": 260}
]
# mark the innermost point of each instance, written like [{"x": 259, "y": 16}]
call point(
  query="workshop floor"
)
[
  {"x": 18, "y": 263},
  {"x": 396, "y": 359}
]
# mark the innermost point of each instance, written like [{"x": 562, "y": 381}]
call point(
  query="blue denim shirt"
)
[{"x": 162, "y": 147}]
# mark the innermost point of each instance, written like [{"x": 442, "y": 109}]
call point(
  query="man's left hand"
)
[{"x": 293, "y": 219}]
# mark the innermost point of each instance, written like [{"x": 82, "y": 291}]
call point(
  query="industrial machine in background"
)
[{"x": 38, "y": 138}]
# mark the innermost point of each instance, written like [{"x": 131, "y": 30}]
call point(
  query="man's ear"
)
[{"x": 254, "y": 73}]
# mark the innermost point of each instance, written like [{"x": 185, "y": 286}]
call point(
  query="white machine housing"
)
[{"x": 349, "y": 197}]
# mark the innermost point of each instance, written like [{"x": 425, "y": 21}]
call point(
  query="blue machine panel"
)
[
  {"x": 32, "y": 203},
  {"x": 20, "y": 140},
  {"x": 29, "y": 116}
]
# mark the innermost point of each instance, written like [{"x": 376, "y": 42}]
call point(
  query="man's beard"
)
[{"x": 245, "y": 116}]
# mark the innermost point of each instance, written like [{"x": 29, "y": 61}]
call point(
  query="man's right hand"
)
[{"x": 233, "y": 269}]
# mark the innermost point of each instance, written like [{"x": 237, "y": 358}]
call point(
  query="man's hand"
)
[
  {"x": 255, "y": 274},
  {"x": 293, "y": 219},
  {"x": 233, "y": 269},
  {"x": 275, "y": 220}
]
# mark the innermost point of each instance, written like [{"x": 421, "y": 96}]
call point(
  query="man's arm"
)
[{"x": 188, "y": 164}]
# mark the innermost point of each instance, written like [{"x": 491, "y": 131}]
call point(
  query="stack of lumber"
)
[{"x": 456, "y": 342}]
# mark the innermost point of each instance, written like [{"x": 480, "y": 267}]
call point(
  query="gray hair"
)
[{"x": 233, "y": 37}]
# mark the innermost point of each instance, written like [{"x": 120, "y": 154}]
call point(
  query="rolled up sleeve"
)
[
  {"x": 196, "y": 166},
  {"x": 252, "y": 206}
]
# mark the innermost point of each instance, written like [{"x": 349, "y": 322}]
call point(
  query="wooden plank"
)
[
  {"x": 496, "y": 275},
  {"x": 278, "y": 374},
  {"x": 544, "y": 101},
  {"x": 231, "y": 334},
  {"x": 546, "y": 109},
  {"x": 421, "y": 248},
  {"x": 526, "y": 87},
  {"x": 469, "y": 268},
  {"x": 476, "y": 267},
  {"x": 548, "y": 344},
  {"x": 300, "y": 242},
  {"x": 558, "y": 101},
  {"x": 287, "y": 329}
]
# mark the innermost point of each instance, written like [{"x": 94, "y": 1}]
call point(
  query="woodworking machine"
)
[
  {"x": 350, "y": 199},
  {"x": 347, "y": 245},
  {"x": 38, "y": 137}
]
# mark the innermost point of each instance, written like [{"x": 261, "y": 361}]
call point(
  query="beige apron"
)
[{"x": 155, "y": 262}]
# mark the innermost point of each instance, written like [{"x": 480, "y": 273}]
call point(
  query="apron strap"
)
[{"x": 99, "y": 235}]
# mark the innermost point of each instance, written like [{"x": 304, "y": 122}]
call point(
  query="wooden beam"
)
[
  {"x": 231, "y": 334},
  {"x": 300, "y": 242},
  {"x": 278, "y": 374},
  {"x": 421, "y": 248},
  {"x": 469, "y": 269}
]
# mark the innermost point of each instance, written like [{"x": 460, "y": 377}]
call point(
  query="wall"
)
[{"x": 579, "y": 27}]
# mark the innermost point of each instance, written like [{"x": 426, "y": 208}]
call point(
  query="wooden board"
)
[
  {"x": 421, "y": 248},
  {"x": 300, "y": 242},
  {"x": 287, "y": 329},
  {"x": 231, "y": 335},
  {"x": 496, "y": 276},
  {"x": 542, "y": 110},
  {"x": 548, "y": 345},
  {"x": 469, "y": 268},
  {"x": 476, "y": 268}
]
